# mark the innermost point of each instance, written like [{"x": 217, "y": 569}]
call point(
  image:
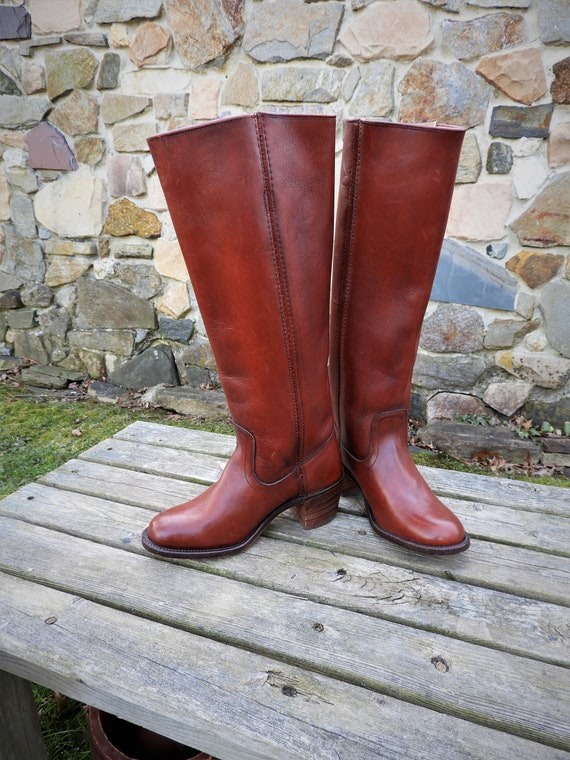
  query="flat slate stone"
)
[
  {"x": 17, "y": 112},
  {"x": 110, "y": 11},
  {"x": 48, "y": 149},
  {"x": 191, "y": 401},
  {"x": 520, "y": 121},
  {"x": 15, "y": 23}
]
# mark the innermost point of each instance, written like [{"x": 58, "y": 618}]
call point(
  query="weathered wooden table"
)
[{"x": 312, "y": 645}]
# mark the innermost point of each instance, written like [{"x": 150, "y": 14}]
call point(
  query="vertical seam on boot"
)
[
  {"x": 347, "y": 256},
  {"x": 286, "y": 315}
]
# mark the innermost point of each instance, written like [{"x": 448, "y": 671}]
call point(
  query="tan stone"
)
[
  {"x": 126, "y": 218},
  {"x": 89, "y": 150},
  {"x": 71, "y": 206},
  {"x": 152, "y": 44},
  {"x": 62, "y": 270},
  {"x": 547, "y": 220},
  {"x": 518, "y": 74},
  {"x": 168, "y": 260},
  {"x": 116, "y": 107},
  {"x": 55, "y": 15},
  {"x": 131, "y": 138},
  {"x": 242, "y": 88},
  {"x": 175, "y": 302},
  {"x": 479, "y": 212},
  {"x": 400, "y": 29},
  {"x": 77, "y": 114},
  {"x": 14, "y": 139},
  {"x": 33, "y": 78},
  {"x": 55, "y": 247},
  {"x": 204, "y": 98},
  {"x": 543, "y": 369},
  {"x": 119, "y": 36},
  {"x": 535, "y": 268},
  {"x": 4, "y": 197},
  {"x": 559, "y": 146},
  {"x": 155, "y": 195},
  {"x": 69, "y": 70},
  {"x": 151, "y": 81}
]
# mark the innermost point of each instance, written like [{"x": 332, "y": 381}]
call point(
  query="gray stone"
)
[
  {"x": 69, "y": 70},
  {"x": 153, "y": 366},
  {"x": 444, "y": 92},
  {"x": 15, "y": 23},
  {"x": 204, "y": 30},
  {"x": 168, "y": 105},
  {"x": 499, "y": 158},
  {"x": 137, "y": 277},
  {"x": 374, "y": 94},
  {"x": 9, "y": 281},
  {"x": 292, "y": 29},
  {"x": 116, "y": 107},
  {"x": 23, "y": 179},
  {"x": 122, "y": 249},
  {"x": 446, "y": 406},
  {"x": 37, "y": 294},
  {"x": 88, "y": 39},
  {"x": 539, "y": 368},
  {"x": 17, "y": 112},
  {"x": 448, "y": 371},
  {"x": 506, "y": 398},
  {"x": 555, "y": 412},
  {"x": 504, "y": 333},
  {"x": 467, "y": 441},
  {"x": 497, "y": 250},
  {"x": 22, "y": 213},
  {"x": 28, "y": 345},
  {"x": 453, "y": 6},
  {"x": 7, "y": 85},
  {"x": 521, "y": 121},
  {"x": 48, "y": 148},
  {"x": 204, "y": 404},
  {"x": 479, "y": 36},
  {"x": 119, "y": 342},
  {"x": 553, "y": 21},
  {"x": 465, "y": 276},
  {"x": 555, "y": 306},
  {"x": 469, "y": 167},
  {"x": 295, "y": 85},
  {"x": 106, "y": 393},
  {"x": 27, "y": 48},
  {"x": 547, "y": 220},
  {"x": 55, "y": 323},
  {"x": 110, "y": 11},
  {"x": 49, "y": 376},
  {"x": 452, "y": 328},
  {"x": 102, "y": 304},
  {"x": 10, "y": 299},
  {"x": 108, "y": 77},
  {"x": 180, "y": 330},
  {"x": 21, "y": 319},
  {"x": 23, "y": 258}
]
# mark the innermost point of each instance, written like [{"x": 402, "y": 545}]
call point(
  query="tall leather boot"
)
[
  {"x": 251, "y": 199},
  {"x": 395, "y": 192}
]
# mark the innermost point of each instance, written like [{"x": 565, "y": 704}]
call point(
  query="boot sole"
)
[{"x": 312, "y": 511}]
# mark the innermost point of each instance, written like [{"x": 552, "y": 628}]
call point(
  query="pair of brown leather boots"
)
[{"x": 252, "y": 203}]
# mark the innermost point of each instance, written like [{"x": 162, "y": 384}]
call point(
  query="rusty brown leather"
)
[
  {"x": 251, "y": 199},
  {"x": 395, "y": 193}
]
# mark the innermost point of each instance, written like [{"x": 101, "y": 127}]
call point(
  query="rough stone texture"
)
[
  {"x": 93, "y": 39},
  {"x": 119, "y": 342},
  {"x": 204, "y": 98},
  {"x": 241, "y": 89},
  {"x": 121, "y": 250},
  {"x": 70, "y": 248},
  {"x": 28, "y": 48},
  {"x": 507, "y": 398},
  {"x": 108, "y": 77},
  {"x": 445, "y": 406},
  {"x": 373, "y": 94},
  {"x": 553, "y": 21},
  {"x": 130, "y": 138},
  {"x": 292, "y": 29},
  {"x": 55, "y": 323},
  {"x": 15, "y": 23},
  {"x": 479, "y": 212},
  {"x": 167, "y": 105},
  {"x": 400, "y": 29},
  {"x": 452, "y": 371},
  {"x": 63, "y": 269},
  {"x": 89, "y": 150},
  {"x": 71, "y": 206},
  {"x": 19, "y": 319},
  {"x": 4, "y": 197},
  {"x": 55, "y": 16},
  {"x": 33, "y": 78},
  {"x": 499, "y": 158},
  {"x": 17, "y": 112},
  {"x": 8, "y": 86},
  {"x": 48, "y": 149},
  {"x": 542, "y": 369},
  {"x": 140, "y": 279},
  {"x": 22, "y": 213},
  {"x": 175, "y": 302},
  {"x": 499, "y": 3},
  {"x": 106, "y": 392},
  {"x": 36, "y": 294},
  {"x": 478, "y": 442},
  {"x": 69, "y": 70},
  {"x": 180, "y": 330},
  {"x": 504, "y": 333},
  {"x": 29, "y": 345},
  {"x": 469, "y": 167},
  {"x": 557, "y": 413},
  {"x": 560, "y": 87},
  {"x": 448, "y": 93},
  {"x": 148, "y": 81},
  {"x": 126, "y": 218},
  {"x": 116, "y": 107},
  {"x": 547, "y": 221},
  {"x": 22, "y": 258},
  {"x": 559, "y": 146},
  {"x": 10, "y": 299},
  {"x": 109, "y": 11},
  {"x": 168, "y": 260},
  {"x": 529, "y": 176},
  {"x": 520, "y": 121},
  {"x": 77, "y": 114},
  {"x": 203, "y": 30},
  {"x": 101, "y": 304},
  {"x": 518, "y": 74},
  {"x": 555, "y": 307},
  {"x": 153, "y": 366},
  {"x": 125, "y": 176},
  {"x": 299, "y": 85},
  {"x": 479, "y": 36},
  {"x": 48, "y": 376},
  {"x": 453, "y": 328},
  {"x": 151, "y": 44},
  {"x": 204, "y": 404}
]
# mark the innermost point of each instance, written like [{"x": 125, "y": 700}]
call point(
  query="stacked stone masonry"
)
[{"x": 92, "y": 283}]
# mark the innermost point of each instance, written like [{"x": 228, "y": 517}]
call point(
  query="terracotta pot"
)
[{"x": 114, "y": 739}]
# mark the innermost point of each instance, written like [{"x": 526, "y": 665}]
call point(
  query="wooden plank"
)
[
  {"x": 19, "y": 724},
  {"x": 229, "y": 702},
  {"x": 525, "y": 697},
  {"x": 546, "y": 532},
  {"x": 499, "y": 620},
  {"x": 174, "y": 437}
]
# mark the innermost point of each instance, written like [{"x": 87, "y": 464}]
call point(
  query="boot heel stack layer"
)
[{"x": 320, "y": 508}]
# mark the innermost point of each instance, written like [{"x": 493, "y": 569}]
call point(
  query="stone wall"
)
[{"x": 91, "y": 278}]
